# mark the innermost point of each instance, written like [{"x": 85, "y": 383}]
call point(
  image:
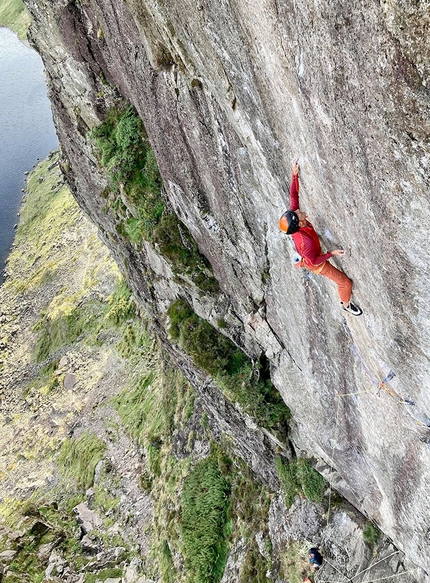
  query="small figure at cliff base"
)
[
  {"x": 294, "y": 222},
  {"x": 315, "y": 558}
]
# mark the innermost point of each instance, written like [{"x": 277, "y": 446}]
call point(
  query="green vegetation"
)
[
  {"x": 66, "y": 328},
  {"x": 370, "y": 533},
  {"x": 295, "y": 562},
  {"x": 53, "y": 212},
  {"x": 248, "y": 512},
  {"x": 135, "y": 195},
  {"x": 255, "y": 566},
  {"x": 82, "y": 315},
  {"x": 158, "y": 403},
  {"x": 239, "y": 379},
  {"x": 14, "y": 15},
  {"x": 217, "y": 494},
  {"x": 299, "y": 477},
  {"x": 121, "y": 305},
  {"x": 72, "y": 291},
  {"x": 204, "y": 522},
  {"x": 42, "y": 523},
  {"x": 79, "y": 457}
]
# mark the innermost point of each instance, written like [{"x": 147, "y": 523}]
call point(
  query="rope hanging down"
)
[{"x": 374, "y": 580}]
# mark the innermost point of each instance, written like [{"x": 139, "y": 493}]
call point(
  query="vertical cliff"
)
[{"x": 228, "y": 93}]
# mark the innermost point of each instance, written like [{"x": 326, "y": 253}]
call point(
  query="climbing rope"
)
[
  {"x": 376, "y": 580},
  {"x": 369, "y": 373},
  {"x": 374, "y": 564},
  {"x": 380, "y": 385},
  {"x": 336, "y": 569},
  {"x": 357, "y": 393}
]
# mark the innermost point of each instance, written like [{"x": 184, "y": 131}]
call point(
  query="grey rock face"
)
[
  {"x": 229, "y": 93},
  {"x": 88, "y": 519}
]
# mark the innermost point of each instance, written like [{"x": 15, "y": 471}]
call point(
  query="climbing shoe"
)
[{"x": 354, "y": 310}]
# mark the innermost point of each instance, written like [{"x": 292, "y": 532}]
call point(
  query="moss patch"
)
[
  {"x": 370, "y": 533},
  {"x": 135, "y": 196},
  {"x": 79, "y": 457},
  {"x": 239, "y": 379},
  {"x": 300, "y": 478}
]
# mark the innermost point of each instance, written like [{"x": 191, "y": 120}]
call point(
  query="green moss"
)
[
  {"x": 103, "y": 500},
  {"x": 299, "y": 477},
  {"x": 240, "y": 380},
  {"x": 370, "y": 533},
  {"x": 79, "y": 457},
  {"x": 136, "y": 196}
]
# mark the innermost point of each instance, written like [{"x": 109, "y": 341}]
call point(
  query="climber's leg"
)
[{"x": 344, "y": 284}]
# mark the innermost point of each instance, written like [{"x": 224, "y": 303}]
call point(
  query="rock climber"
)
[
  {"x": 294, "y": 222},
  {"x": 315, "y": 558}
]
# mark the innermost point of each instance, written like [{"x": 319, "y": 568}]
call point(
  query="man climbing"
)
[{"x": 295, "y": 223}]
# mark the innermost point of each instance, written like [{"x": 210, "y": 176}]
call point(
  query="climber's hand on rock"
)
[
  {"x": 295, "y": 166},
  {"x": 338, "y": 252}
]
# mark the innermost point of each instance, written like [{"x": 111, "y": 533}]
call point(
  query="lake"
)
[{"x": 27, "y": 132}]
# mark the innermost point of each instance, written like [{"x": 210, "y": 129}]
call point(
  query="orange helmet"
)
[{"x": 289, "y": 222}]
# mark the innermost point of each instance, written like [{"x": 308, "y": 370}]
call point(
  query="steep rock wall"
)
[{"x": 229, "y": 92}]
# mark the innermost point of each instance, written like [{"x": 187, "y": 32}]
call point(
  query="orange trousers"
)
[{"x": 344, "y": 284}]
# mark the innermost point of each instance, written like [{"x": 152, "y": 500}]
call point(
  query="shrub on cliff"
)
[
  {"x": 299, "y": 477},
  {"x": 240, "y": 380},
  {"x": 122, "y": 144},
  {"x": 204, "y": 523},
  {"x": 136, "y": 186}
]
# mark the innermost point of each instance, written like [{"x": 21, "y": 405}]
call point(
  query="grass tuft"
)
[
  {"x": 240, "y": 380},
  {"x": 299, "y": 477},
  {"x": 14, "y": 15},
  {"x": 370, "y": 533},
  {"x": 79, "y": 457},
  {"x": 203, "y": 523},
  {"x": 135, "y": 195}
]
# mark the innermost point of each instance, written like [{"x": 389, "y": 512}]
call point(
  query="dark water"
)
[{"x": 26, "y": 128}]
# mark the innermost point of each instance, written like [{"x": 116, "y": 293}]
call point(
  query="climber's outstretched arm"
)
[{"x": 294, "y": 188}]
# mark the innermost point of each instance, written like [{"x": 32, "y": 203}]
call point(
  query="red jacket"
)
[{"x": 306, "y": 239}]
